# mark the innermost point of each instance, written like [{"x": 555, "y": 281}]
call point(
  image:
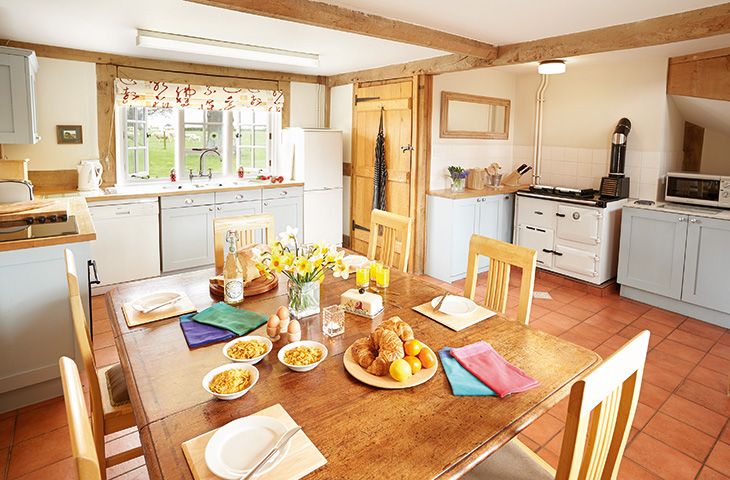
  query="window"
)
[
  {"x": 156, "y": 140},
  {"x": 253, "y": 138}
]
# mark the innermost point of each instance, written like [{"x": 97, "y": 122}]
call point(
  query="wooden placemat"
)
[
  {"x": 303, "y": 457},
  {"x": 454, "y": 323},
  {"x": 135, "y": 318}
]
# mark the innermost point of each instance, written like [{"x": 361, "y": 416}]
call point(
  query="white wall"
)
[
  {"x": 470, "y": 153},
  {"x": 715, "y": 153},
  {"x": 341, "y": 119},
  {"x": 306, "y": 105},
  {"x": 66, "y": 95},
  {"x": 582, "y": 108}
]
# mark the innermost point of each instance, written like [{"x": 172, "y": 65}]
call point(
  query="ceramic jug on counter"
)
[{"x": 89, "y": 175}]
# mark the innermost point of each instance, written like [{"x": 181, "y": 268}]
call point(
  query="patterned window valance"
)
[{"x": 143, "y": 93}]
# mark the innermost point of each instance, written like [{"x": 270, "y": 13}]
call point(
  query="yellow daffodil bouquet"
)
[{"x": 300, "y": 263}]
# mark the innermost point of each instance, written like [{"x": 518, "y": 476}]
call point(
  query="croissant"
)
[
  {"x": 390, "y": 347},
  {"x": 401, "y": 328},
  {"x": 379, "y": 367},
  {"x": 363, "y": 352},
  {"x": 384, "y": 345}
]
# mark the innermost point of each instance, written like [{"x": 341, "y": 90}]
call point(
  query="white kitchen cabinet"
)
[
  {"x": 187, "y": 237},
  {"x": 236, "y": 209},
  {"x": 18, "y": 68},
  {"x": 287, "y": 212},
  {"x": 707, "y": 263},
  {"x": 450, "y": 225},
  {"x": 651, "y": 251}
]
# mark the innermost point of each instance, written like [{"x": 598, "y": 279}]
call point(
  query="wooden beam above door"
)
[
  {"x": 690, "y": 25},
  {"x": 324, "y": 15}
]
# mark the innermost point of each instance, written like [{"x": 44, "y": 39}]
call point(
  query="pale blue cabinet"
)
[
  {"x": 707, "y": 263},
  {"x": 651, "y": 252},
  {"x": 451, "y": 223},
  {"x": 287, "y": 212}
]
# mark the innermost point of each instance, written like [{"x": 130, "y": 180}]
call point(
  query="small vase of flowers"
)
[
  {"x": 304, "y": 266},
  {"x": 458, "y": 178}
]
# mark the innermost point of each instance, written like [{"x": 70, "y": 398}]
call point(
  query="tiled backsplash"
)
[
  {"x": 466, "y": 155},
  {"x": 584, "y": 167}
]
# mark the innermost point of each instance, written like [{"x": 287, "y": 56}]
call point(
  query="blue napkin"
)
[
  {"x": 463, "y": 383},
  {"x": 198, "y": 334}
]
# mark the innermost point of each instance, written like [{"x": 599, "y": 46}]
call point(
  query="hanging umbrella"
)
[{"x": 380, "y": 173}]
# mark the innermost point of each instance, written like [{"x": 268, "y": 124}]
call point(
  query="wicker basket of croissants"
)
[{"x": 376, "y": 352}]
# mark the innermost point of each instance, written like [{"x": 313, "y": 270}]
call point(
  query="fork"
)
[{"x": 443, "y": 297}]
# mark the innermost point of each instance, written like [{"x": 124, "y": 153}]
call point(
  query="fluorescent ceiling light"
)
[
  {"x": 551, "y": 67},
  {"x": 218, "y": 48}
]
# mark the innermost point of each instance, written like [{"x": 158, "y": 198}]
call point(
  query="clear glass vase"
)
[
  {"x": 303, "y": 299},
  {"x": 458, "y": 184}
]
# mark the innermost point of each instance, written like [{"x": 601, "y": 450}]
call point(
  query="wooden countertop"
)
[
  {"x": 485, "y": 192},
  {"x": 76, "y": 207},
  {"x": 134, "y": 192}
]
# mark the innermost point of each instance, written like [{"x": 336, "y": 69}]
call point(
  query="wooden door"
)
[{"x": 395, "y": 98}]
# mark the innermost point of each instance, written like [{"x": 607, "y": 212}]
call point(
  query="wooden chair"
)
[
  {"x": 502, "y": 256},
  {"x": 246, "y": 226},
  {"x": 396, "y": 238},
  {"x": 600, "y": 413},
  {"x": 82, "y": 440},
  {"x": 111, "y": 410}
]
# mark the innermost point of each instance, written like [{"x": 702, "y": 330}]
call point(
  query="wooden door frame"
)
[{"x": 421, "y": 111}]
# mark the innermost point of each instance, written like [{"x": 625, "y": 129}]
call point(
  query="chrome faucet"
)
[{"x": 201, "y": 172}]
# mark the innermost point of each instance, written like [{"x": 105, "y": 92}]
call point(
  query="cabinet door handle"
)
[
  {"x": 210, "y": 209},
  {"x": 188, "y": 201},
  {"x": 537, "y": 212},
  {"x": 266, "y": 204},
  {"x": 547, "y": 251},
  {"x": 561, "y": 215},
  {"x": 557, "y": 253},
  {"x": 218, "y": 208},
  {"x": 694, "y": 220},
  {"x": 281, "y": 194},
  {"x": 239, "y": 197},
  {"x": 681, "y": 219}
]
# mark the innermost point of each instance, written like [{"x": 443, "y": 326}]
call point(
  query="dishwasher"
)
[{"x": 127, "y": 245}]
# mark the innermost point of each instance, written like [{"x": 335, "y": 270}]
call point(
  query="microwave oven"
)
[{"x": 698, "y": 189}]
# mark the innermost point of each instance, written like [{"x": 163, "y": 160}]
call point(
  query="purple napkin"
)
[{"x": 199, "y": 334}]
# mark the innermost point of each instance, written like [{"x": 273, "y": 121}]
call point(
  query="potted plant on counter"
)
[
  {"x": 304, "y": 266},
  {"x": 458, "y": 178}
]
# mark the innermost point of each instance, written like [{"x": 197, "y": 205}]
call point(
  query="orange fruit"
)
[
  {"x": 400, "y": 370},
  {"x": 415, "y": 364},
  {"x": 427, "y": 357},
  {"x": 412, "y": 347}
]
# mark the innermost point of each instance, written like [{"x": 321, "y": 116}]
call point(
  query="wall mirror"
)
[{"x": 474, "y": 116}]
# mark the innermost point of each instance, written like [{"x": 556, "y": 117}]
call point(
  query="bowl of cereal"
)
[
  {"x": 302, "y": 356},
  {"x": 231, "y": 381},
  {"x": 250, "y": 349}
]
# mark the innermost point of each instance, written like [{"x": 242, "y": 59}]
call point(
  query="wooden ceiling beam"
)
[
  {"x": 100, "y": 58},
  {"x": 333, "y": 17},
  {"x": 691, "y": 25}
]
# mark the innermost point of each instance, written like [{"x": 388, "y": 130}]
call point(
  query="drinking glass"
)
[
  {"x": 382, "y": 279},
  {"x": 333, "y": 320},
  {"x": 362, "y": 277},
  {"x": 375, "y": 267}
]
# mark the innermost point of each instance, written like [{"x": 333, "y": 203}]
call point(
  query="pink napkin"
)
[{"x": 491, "y": 368}]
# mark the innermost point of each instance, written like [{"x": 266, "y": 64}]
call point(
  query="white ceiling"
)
[
  {"x": 509, "y": 21},
  {"x": 110, "y": 26}
]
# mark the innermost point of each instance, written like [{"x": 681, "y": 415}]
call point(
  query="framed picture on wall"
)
[{"x": 69, "y": 134}]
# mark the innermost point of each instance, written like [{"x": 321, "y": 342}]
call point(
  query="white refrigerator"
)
[{"x": 314, "y": 156}]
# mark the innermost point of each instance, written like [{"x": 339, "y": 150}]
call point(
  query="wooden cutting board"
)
[{"x": 19, "y": 211}]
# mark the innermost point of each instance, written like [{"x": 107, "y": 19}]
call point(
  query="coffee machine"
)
[{"x": 616, "y": 185}]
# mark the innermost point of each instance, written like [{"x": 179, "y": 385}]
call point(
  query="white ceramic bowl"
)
[
  {"x": 230, "y": 366},
  {"x": 302, "y": 368},
  {"x": 252, "y": 361}
]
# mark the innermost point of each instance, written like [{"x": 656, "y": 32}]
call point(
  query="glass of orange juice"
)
[
  {"x": 382, "y": 280},
  {"x": 362, "y": 277},
  {"x": 375, "y": 267}
]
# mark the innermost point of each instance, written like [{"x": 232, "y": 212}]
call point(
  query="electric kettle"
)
[{"x": 89, "y": 175}]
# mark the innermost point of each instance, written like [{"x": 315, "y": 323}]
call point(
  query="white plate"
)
[
  {"x": 230, "y": 396},
  {"x": 455, "y": 306},
  {"x": 155, "y": 301},
  {"x": 236, "y": 447},
  {"x": 355, "y": 261},
  {"x": 302, "y": 368},
  {"x": 252, "y": 361}
]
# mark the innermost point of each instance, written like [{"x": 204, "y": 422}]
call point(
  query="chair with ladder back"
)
[
  {"x": 395, "y": 239},
  {"x": 246, "y": 226}
]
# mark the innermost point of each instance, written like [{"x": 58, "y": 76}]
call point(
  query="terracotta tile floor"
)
[{"x": 681, "y": 430}]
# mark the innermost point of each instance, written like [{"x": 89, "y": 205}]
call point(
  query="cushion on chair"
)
[
  {"x": 510, "y": 462},
  {"x": 117, "y": 386}
]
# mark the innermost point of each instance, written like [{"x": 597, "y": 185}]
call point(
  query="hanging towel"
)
[
  {"x": 199, "y": 335},
  {"x": 492, "y": 369},
  {"x": 380, "y": 172},
  {"x": 463, "y": 383},
  {"x": 225, "y": 316}
]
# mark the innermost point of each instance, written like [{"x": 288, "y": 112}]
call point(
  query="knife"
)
[
  {"x": 279, "y": 445},
  {"x": 142, "y": 309},
  {"x": 443, "y": 297}
]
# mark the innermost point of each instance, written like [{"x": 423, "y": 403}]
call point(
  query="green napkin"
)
[{"x": 233, "y": 319}]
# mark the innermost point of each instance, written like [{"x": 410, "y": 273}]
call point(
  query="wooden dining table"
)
[{"x": 363, "y": 432}]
